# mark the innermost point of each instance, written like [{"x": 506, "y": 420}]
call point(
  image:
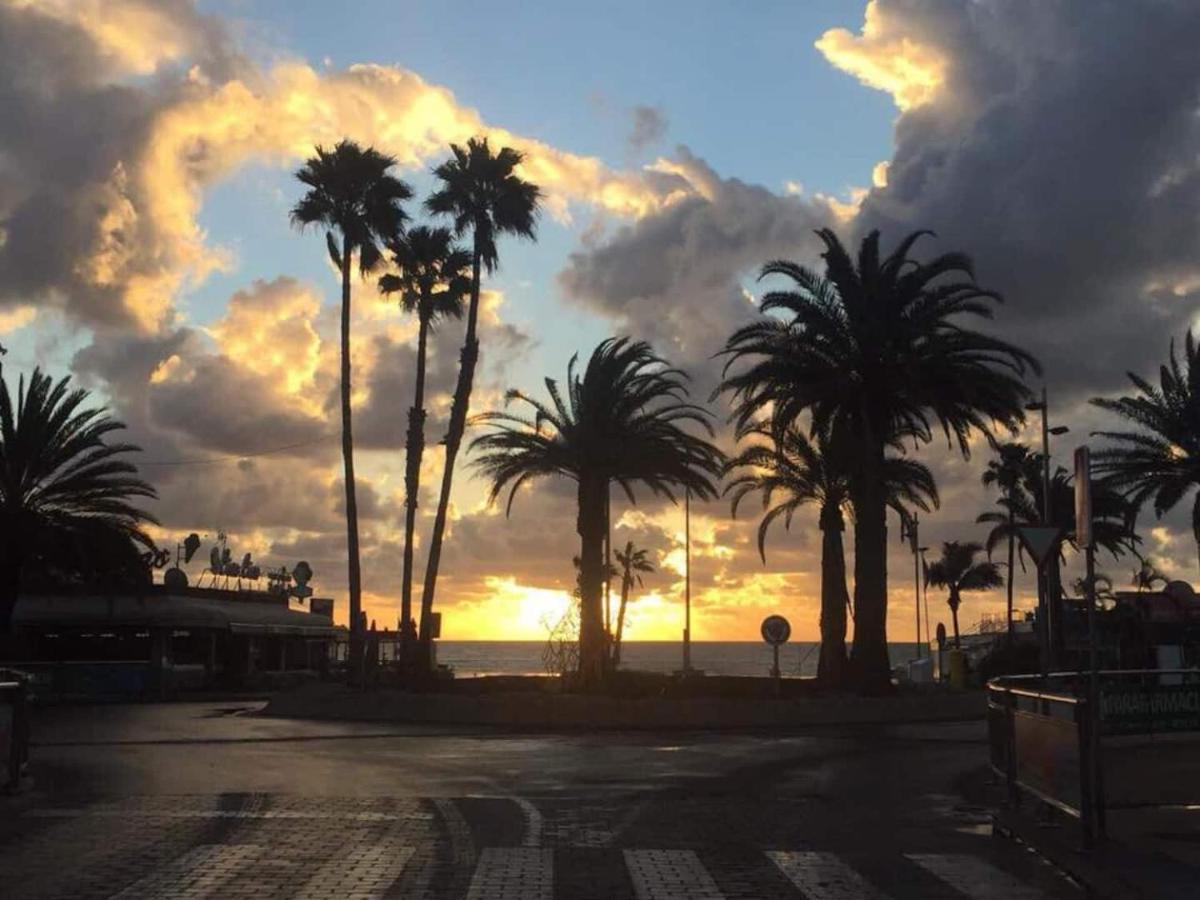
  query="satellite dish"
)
[
  {"x": 190, "y": 545},
  {"x": 1180, "y": 591}
]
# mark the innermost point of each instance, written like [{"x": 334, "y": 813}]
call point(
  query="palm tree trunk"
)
[
  {"x": 831, "y": 663},
  {"x": 414, "y": 450},
  {"x": 454, "y": 435},
  {"x": 354, "y": 571},
  {"x": 626, "y": 584},
  {"x": 590, "y": 525},
  {"x": 870, "y": 667},
  {"x": 953, "y": 603},
  {"x": 1011, "y": 549}
]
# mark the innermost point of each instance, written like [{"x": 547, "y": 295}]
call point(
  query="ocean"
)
[{"x": 474, "y": 658}]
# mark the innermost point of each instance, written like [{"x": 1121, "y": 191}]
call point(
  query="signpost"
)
[
  {"x": 1041, "y": 541},
  {"x": 776, "y": 631}
]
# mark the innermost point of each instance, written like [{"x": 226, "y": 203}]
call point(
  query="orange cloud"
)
[{"x": 883, "y": 56}]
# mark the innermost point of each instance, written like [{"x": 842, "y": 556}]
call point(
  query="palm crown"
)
[
  {"x": 1112, "y": 515},
  {"x": 482, "y": 192},
  {"x": 350, "y": 191},
  {"x": 878, "y": 348},
  {"x": 621, "y": 420},
  {"x": 801, "y": 471},
  {"x": 1159, "y": 461},
  {"x": 64, "y": 490},
  {"x": 634, "y": 561},
  {"x": 56, "y": 468},
  {"x": 431, "y": 274}
]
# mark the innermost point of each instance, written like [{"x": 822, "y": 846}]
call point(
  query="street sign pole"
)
[
  {"x": 1042, "y": 543},
  {"x": 775, "y": 631}
]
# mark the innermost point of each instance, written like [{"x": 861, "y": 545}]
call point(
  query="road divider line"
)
[
  {"x": 823, "y": 876},
  {"x": 505, "y": 873},
  {"x": 972, "y": 876},
  {"x": 670, "y": 875}
]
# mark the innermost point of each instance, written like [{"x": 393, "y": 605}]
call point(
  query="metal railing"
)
[{"x": 1046, "y": 740}]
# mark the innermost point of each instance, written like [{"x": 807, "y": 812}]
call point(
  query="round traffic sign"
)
[{"x": 776, "y": 630}]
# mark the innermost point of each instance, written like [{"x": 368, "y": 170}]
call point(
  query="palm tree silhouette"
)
[
  {"x": 957, "y": 571},
  {"x": 60, "y": 480},
  {"x": 1013, "y": 466},
  {"x": 1159, "y": 461},
  {"x": 352, "y": 196},
  {"x": 483, "y": 193},
  {"x": 621, "y": 421},
  {"x": 876, "y": 346},
  {"x": 1112, "y": 514},
  {"x": 799, "y": 471},
  {"x": 633, "y": 562},
  {"x": 431, "y": 278}
]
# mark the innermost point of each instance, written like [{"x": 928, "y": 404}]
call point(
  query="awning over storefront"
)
[{"x": 237, "y": 613}]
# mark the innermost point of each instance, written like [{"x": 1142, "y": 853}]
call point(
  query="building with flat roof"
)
[{"x": 155, "y": 640}]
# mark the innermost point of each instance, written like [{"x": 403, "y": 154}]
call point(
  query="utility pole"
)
[{"x": 687, "y": 581}]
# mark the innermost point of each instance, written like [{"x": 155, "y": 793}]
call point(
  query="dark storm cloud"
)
[
  {"x": 674, "y": 278},
  {"x": 1062, "y": 154},
  {"x": 71, "y": 235}
]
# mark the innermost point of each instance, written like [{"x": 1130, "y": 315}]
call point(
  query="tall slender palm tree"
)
[
  {"x": 799, "y": 471},
  {"x": 634, "y": 562},
  {"x": 877, "y": 346},
  {"x": 1158, "y": 462},
  {"x": 626, "y": 420},
  {"x": 483, "y": 193},
  {"x": 957, "y": 571},
  {"x": 431, "y": 279},
  {"x": 352, "y": 195},
  {"x": 1013, "y": 466},
  {"x": 62, "y": 484}
]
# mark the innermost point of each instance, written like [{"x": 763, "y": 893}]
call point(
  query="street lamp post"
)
[
  {"x": 909, "y": 529},
  {"x": 1052, "y": 625},
  {"x": 921, "y": 551},
  {"x": 687, "y": 582}
]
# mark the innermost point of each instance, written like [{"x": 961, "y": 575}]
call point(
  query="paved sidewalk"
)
[{"x": 480, "y": 848}]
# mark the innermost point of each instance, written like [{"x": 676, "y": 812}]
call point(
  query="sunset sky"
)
[{"x": 146, "y": 160}]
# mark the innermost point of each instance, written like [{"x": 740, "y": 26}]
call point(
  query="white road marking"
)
[
  {"x": 364, "y": 873},
  {"x": 972, "y": 876},
  {"x": 199, "y": 872},
  {"x": 823, "y": 876},
  {"x": 513, "y": 873},
  {"x": 670, "y": 875}
]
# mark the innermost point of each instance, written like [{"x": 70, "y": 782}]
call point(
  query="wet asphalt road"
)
[{"x": 140, "y": 791}]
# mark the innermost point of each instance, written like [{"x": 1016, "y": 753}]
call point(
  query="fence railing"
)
[{"x": 1137, "y": 748}]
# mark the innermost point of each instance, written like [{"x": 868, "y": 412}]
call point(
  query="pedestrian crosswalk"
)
[{"x": 371, "y": 871}]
